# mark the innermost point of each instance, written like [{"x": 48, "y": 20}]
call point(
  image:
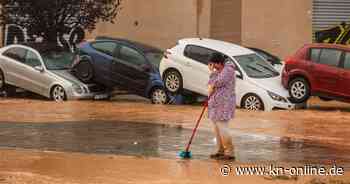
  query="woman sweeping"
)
[{"x": 221, "y": 104}]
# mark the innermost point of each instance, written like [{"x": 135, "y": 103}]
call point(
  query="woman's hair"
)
[{"x": 217, "y": 58}]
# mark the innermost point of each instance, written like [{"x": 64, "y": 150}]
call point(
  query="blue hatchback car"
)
[{"x": 123, "y": 63}]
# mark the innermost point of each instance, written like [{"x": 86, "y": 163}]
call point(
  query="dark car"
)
[
  {"x": 318, "y": 70},
  {"x": 122, "y": 63}
]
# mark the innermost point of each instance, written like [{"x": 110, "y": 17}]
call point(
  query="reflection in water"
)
[{"x": 155, "y": 140}]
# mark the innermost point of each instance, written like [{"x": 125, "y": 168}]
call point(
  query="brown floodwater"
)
[{"x": 156, "y": 140}]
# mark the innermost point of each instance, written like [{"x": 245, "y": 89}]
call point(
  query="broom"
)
[{"x": 186, "y": 154}]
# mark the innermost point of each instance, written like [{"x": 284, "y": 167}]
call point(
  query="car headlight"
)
[
  {"x": 276, "y": 97},
  {"x": 77, "y": 89}
]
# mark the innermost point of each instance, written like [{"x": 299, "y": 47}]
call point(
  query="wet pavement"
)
[{"x": 157, "y": 140}]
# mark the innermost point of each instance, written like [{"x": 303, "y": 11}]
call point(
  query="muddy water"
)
[{"x": 155, "y": 140}]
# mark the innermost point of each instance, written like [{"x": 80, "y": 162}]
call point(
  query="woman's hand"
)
[
  {"x": 211, "y": 89},
  {"x": 211, "y": 67}
]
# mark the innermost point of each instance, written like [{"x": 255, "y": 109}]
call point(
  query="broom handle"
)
[{"x": 195, "y": 129}]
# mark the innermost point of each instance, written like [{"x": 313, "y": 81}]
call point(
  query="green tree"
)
[{"x": 50, "y": 19}]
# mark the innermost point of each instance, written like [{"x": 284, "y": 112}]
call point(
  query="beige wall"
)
[
  {"x": 279, "y": 26},
  {"x": 226, "y": 20},
  {"x": 160, "y": 22}
]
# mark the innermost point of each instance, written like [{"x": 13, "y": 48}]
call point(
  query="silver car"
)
[{"x": 44, "y": 70}]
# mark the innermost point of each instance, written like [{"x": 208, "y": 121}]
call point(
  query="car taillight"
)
[{"x": 166, "y": 54}]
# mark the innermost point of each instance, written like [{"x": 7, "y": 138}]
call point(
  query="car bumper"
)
[
  {"x": 88, "y": 96},
  {"x": 282, "y": 105}
]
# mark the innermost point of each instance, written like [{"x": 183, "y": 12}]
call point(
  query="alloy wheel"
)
[
  {"x": 172, "y": 82},
  {"x": 58, "y": 94},
  {"x": 159, "y": 96},
  {"x": 298, "y": 90},
  {"x": 253, "y": 103}
]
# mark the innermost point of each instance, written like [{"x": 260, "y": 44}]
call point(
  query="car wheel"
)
[
  {"x": 84, "y": 71},
  {"x": 2, "y": 81},
  {"x": 299, "y": 90},
  {"x": 253, "y": 103},
  {"x": 159, "y": 96},
  {"x": 173, "y": 81},
  {"x": 58, "y": 94}
]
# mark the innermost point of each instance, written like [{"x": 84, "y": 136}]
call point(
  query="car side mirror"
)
[
  {"x": 238, "y": 74},
  {"x": 39, "y": 68}
]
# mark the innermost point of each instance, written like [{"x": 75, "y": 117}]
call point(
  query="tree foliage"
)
[{"x": 50, "y": 19}]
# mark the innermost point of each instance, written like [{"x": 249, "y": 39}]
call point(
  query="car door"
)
[
  {"x": 103, "y": 58},
  {"x": 196, "y": 68},
  {"x": 131, "y": 68},
  {"x": 344, "y": 76},
  {"x": 325, "y": 70},
  {"x": 13, "y": 62},
  {"x": 34, "y": 80}
]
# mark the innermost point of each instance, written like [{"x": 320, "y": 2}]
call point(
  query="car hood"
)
[
  {"x": 272, "y": 84},
  {"x": 65, "y": 74}
]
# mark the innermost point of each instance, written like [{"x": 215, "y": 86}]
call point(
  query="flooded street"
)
[
  {"x": 156, "y": 140},
  {"x": 47, "y": 140}
]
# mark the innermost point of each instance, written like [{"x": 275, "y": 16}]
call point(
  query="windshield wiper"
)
[
  {"x": 267, "y": 68},
  {"x": 253, "y": 68}
]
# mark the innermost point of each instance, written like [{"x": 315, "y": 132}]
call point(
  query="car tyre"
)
[
  {"x": 173, "y": 81},
  {"x": 58, "y": 94},
  {"x": 2, "y": 81},
  {"x": 6, "y": 89},
  {"x": 84, "y": 71},
  {"x": 252, "y": 102},
  {"x": 299, "y": 90},
  {"x": 159, "y": 96}
]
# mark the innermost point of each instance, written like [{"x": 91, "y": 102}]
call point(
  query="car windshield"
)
[
  {"x": 58, "y": 60},
  {"x": 255, "y": 66},
  {"x": 154, "y": 58}
]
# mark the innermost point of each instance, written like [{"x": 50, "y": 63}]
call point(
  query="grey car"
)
[{"x": 44, "y": 70}]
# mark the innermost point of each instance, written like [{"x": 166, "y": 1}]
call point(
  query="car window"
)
[
  {"x": 131, "y": 56},
  {"x": 347, "y": 61},
  {"x": 315, "y": 55},
  {"x": 330, "y": 57},
  {"x": 105, "y": 47},
  {"x": 16, "y": 53},
  {"x": 199, "y": 54},
  {"x": 32, "y": 59}
]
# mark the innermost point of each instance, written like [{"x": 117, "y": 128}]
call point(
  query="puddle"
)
[{"x": 154, "y": 140}]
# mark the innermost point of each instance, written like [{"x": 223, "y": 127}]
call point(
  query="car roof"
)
[
  {"x": 142, "y": 46},
  {"x": 328, "y": 45},
  {"x": 221, "y": 46}
]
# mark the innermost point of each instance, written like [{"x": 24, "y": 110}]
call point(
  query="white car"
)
[
  {"x": 44, "y": 70},
  {"x": 258, "y": 84}
]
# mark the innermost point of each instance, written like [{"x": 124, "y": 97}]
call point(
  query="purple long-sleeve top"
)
[{"x": 222, "y": 103}]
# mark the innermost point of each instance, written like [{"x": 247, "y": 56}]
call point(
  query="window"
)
[
  {"x": 16, "y": 53},
  {"x": 199, "y": 54},
  {"x": 105, "y": 47},
  {"x": 131, "y": 56},
  {"x": 315, "y": 55},
  {"x": 347, "y": 61},
  {"x": 330, "y": 57},
  {"x": 32, "y": 59}
]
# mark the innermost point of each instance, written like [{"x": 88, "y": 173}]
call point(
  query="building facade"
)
[{"x": 280, "y": 27}]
